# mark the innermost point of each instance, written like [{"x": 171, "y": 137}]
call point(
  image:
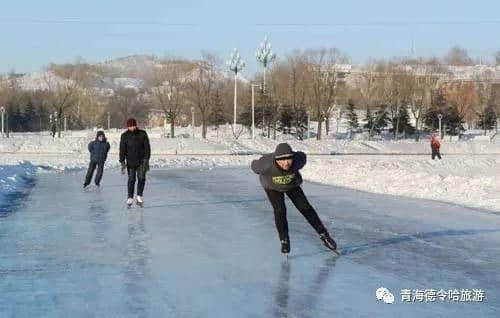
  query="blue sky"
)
[{"x": 35, "y": 33}]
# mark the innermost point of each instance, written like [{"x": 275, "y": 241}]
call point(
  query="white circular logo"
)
[
  {"x": 381, "y": 292},
  {"x": 388, "y": 298},
  {"x": 384, "y": 294}
]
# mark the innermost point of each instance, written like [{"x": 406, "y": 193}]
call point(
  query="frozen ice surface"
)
[{"x": 205, "y": 246}]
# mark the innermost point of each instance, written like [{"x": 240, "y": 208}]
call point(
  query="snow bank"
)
[
  {"x": 15, "y": 181},
  {"x": 467, "y": 175},
  {"x": 473, "y": 181}
]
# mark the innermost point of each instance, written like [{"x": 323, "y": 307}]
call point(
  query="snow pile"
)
[
  {"x": 469, "y": 173},
  {"x": 472, "y": 181},
  {"x": 15, "y": 181}
]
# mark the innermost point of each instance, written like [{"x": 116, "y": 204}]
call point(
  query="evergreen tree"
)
[
  {"x": 382, "y": 119},
  {"x": 404, "y": 122},
  {"x": 30, "y": 117},
  {"x": 352, "y": 117},
  {"x": 217, "y": 116},
  {"x": 245, "y": 118},
  {"x": 453, "y": 121},
  {"x": 487, "y": 119},
  {"x": 370, "y": 120},
  {"x": 285, "y": 119}
]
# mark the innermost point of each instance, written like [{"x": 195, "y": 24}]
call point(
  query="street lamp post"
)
[
  {"x": 236, "y": 65},
  {"x": 109, "y": 120},
  {"x": 2, "y": 109},
  {"x": 440, "y": 117},
  {"x": 308, "y": 124},
  {"x": 57, "y": 124},
  {"x": 253, "y": 110},
  {"x": 192, "y": 120},
  {"x": 265, "y": 56},
  {"x": 65, "y": 123}
]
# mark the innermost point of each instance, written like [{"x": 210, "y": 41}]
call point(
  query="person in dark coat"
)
[
  {"x": 135, "y": 152},
  {"x": 279, "y": 175},
  {"x": 98, "y": 149}
]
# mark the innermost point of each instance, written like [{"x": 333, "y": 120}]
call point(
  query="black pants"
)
[
  {"x": 435, "y": 152},
  {"x": 300, "y": 201},
  {"x": 90, "y": 172},
  {"x": 136, "y": 173}
]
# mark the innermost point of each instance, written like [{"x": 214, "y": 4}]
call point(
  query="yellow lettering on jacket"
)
[{"x": 284, "y": 179}]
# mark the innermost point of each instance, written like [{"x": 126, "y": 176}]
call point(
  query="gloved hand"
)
[
  {"x": 144, "y": 166},
  {"x": 124, "y": 167}
]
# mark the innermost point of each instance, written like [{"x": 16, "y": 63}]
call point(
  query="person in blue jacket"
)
[{"x": 98, "y": 149}]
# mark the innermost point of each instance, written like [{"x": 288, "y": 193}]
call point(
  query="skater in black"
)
[
  {"x": 279, "y": 175},
  {"x": 98, "y": 149},
  {"x": 135, "y": 152}
]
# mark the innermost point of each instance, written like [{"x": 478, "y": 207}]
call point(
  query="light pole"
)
[
  {"x": 109, "y": 120},
  {"x": 192, "y": 120},
  {"x": 308, "y": 124},
  {"x": 339, "y": 117},
  {"x": 253, "y": 110},
  {"x": 172, "y": 119},
  {"x": 265, "y": 56},
  {"x": 2, "y": 109},
  {"x": 57, "y": 124},
  {"x": 236, "y": 65},
  {"x": 65, "y": 123},
  {"x": 440, "y": 117}
]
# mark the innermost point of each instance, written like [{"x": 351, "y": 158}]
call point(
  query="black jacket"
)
[
  {"x": 99, "y": 149},
  {"x": 134, "y": 148},
  {"x": 272, "y": 177}
]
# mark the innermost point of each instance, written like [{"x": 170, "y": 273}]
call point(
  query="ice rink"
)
[{"x": 205, "y": 245}]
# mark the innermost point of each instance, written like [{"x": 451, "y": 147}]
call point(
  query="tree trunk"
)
[
  {"x": 172, "y": 126},
  {"x": 203, "y": 126},
  {"x": 327, "y": 124},
  {"x": 318, "y": 134},
  {"x": 417, "y": 130}
]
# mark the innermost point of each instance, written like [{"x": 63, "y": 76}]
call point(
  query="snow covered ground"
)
[
  {"x": 469, "y": 173},
  {"x": 15, "y": 182}
]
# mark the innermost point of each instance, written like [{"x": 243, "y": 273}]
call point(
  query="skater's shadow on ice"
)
[
  {"x": 413, "y": 237},
  {"x": 308, "y": 300}
]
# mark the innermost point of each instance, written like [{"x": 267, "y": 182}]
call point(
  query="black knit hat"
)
[
  {"x": 283, "y": 151},
  {"x": 100, "y": 133}
]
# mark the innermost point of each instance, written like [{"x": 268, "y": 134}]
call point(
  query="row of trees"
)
[{"x": 315, "y": 84}]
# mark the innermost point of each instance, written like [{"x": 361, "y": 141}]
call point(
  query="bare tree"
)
[
  {"x": 422, "y": 83},
  {"x": 323, "y": 74},
  {"x": 169, "y": 90},
  {"x": 63, "y": 94},
  {"x": 483, "y": 86},
  {"x": 126, "y": 103},
  {"x": 202, "y": 85},
  {"x": 368, "y": 83},
  {"x": 461, "y": 96}
]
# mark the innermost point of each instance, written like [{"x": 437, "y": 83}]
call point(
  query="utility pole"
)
[
  {"x": 192, "y": 120},
  {"x": 2, "y": 110}
]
